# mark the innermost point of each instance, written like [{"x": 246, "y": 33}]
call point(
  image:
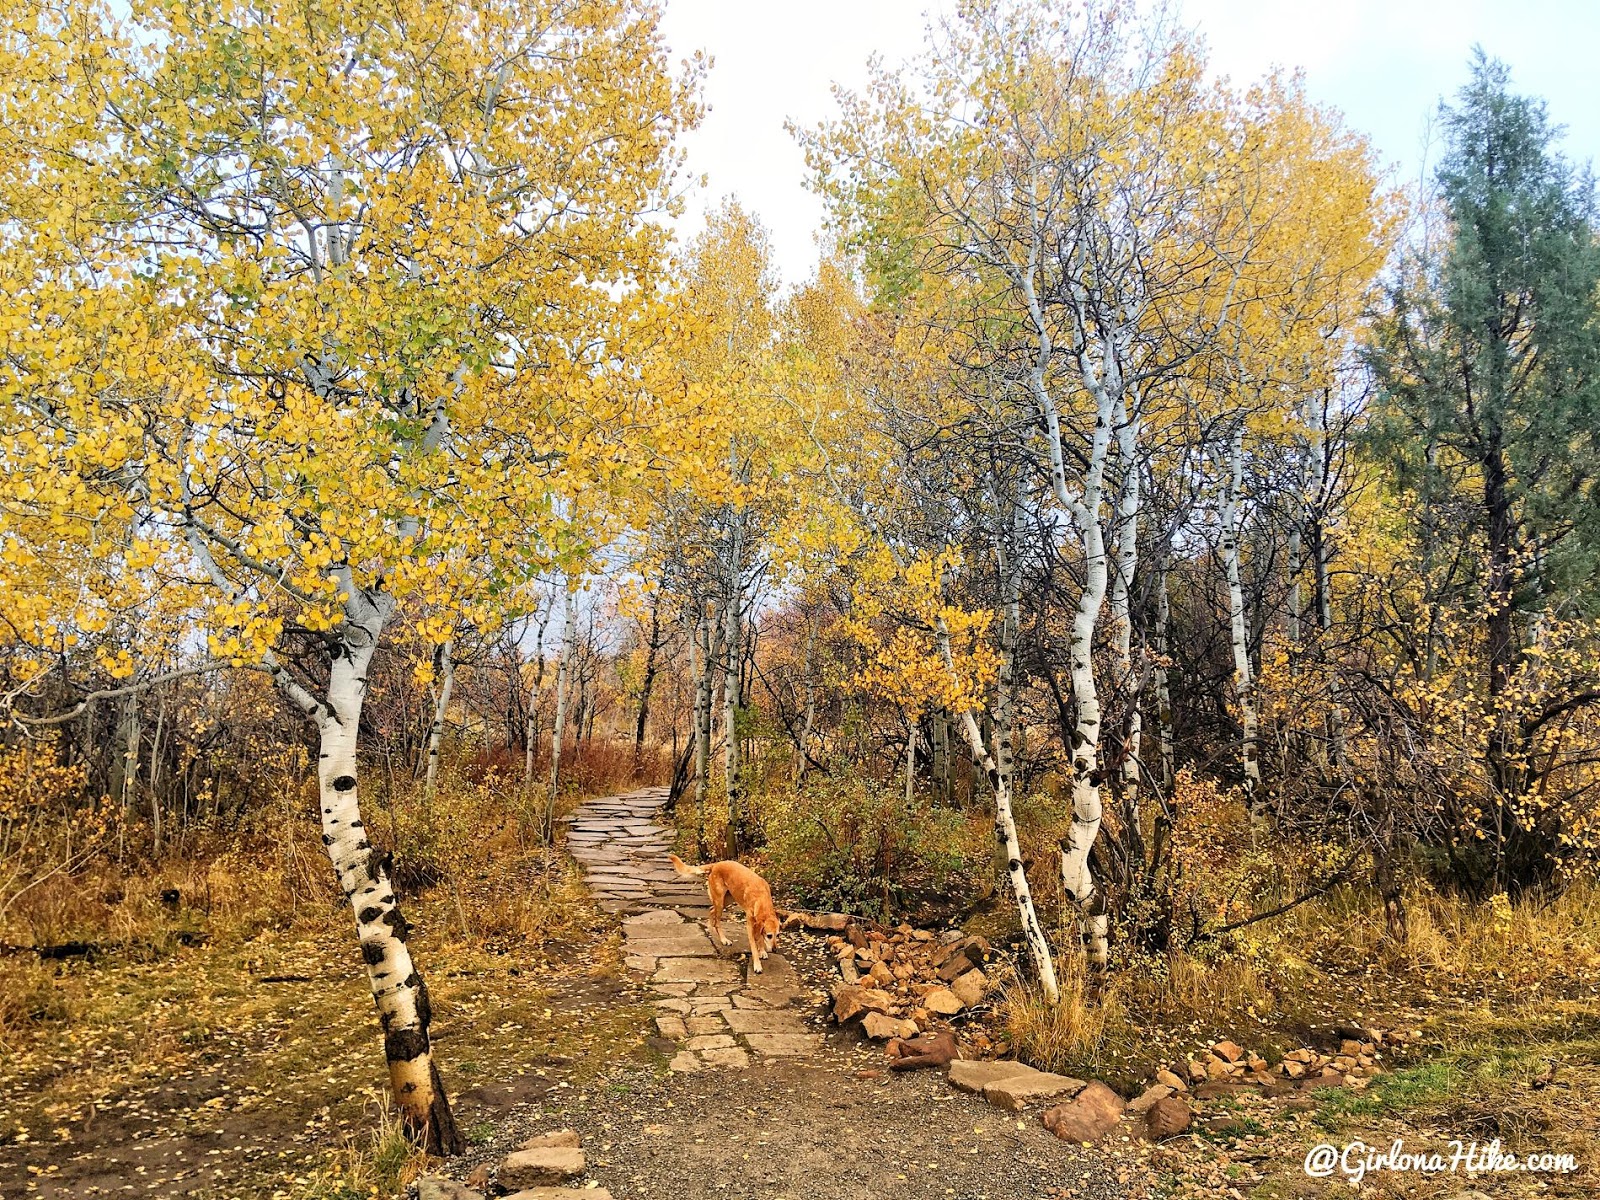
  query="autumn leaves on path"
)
[{"x": 708, "y": 1001}]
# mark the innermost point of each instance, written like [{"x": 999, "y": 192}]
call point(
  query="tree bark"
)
[
  {"x": 125, "y": 778},
  {"x": 649, "y": 681},
  {"x": 911, "y": 761},
  {"x": 803, "y": 760},
  {"x": 1103, "y": 381},
  {"x": 530, "y": 730},
  {"x": 445, "y": 667},
  {"x": 1005, "y": 832},
  {"x": 1163, "y": 685},
  {"x": 558, "y": 733},
  {"x": 702, "y": 720},
  {"x": 1243, "y": 675},
  {"x": 1321, "y": 579},
  {"x": 397, "y": 988},
  {"x": 733, "y": 644},
  {"x": 1128, "y": 682},
  {"x": 155, "y": 774}
]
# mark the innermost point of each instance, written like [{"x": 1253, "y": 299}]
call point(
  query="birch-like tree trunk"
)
[
  {"x": 1129, "y": 682},
  {"x": 1243, "y": 675},
  {"x": 126, "y": 780},
  {"x": 733, "y": 645},
  {"x": 530, "y": 725},
  {"x": 569, "y": 635},
  {"x": 1005, "y": 832},
  {"x": 702, "y": 720},
  {"x": 445, "y": 672},
  {"x": 1104, "y": 383},
  {"x": 911, "y": 761},
  {"x": 397, "y": 988},
  {"x": 810, "y": 718},
  {"x": 156, "y": 831},
  {"x": 1163, "y": 635},
  {"x": 647, "y": 685}
]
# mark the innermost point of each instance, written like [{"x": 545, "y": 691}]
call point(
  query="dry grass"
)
[
  {"x": 1327, "y": 962},
  {"x": 249, "y": 982}
]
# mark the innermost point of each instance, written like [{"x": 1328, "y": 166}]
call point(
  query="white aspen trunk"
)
[
  {"x": 1128, "y": 502},
  {"x": 1163, "y": 686},
  {"x": 1104, "y": 383},
  {"x": 445, "y": 665},
  {"x": 397, "y": 989},
  {"x": 809, "y": 721},
  {"x": 155, "y": 775},
  {"x": 911, "y": 761},
  {"x": 1004, "y": 723},
  {"x": 702, "y": 721},
  {"x": 1005, "y": 832},
  {"x": 733, "y": 643},
  {"x": 1243, "y": 676},
  {"x": 558, "y": 733},
  {"x": 130, "y": 756},
  {"x": 1076, "y": 876},
  {"x": 530, "y": 726}
]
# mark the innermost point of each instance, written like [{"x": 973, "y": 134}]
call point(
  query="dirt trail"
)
[{"x": 761, "y": 1101}]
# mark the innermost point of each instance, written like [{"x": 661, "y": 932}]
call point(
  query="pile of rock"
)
[
  {"x": 1079, "y": 1111},
  {"x": 1227, "y": 1065},
  {"x": 539, "y": 1169},
  {"x": 904, "y": 981}
]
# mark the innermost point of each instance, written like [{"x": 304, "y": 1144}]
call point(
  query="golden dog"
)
[{"x": 749, "y": 891}]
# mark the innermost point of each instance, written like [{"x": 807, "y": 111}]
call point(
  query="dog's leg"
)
[
  {"x": 718, "y": 895},
  {"x": 755, "y": 943}
]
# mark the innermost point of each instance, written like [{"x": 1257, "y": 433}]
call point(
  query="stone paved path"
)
[{"x": 719, "y": 1012}]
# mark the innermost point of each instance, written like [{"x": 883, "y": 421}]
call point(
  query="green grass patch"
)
[{"x": 1397, "y": 1092}]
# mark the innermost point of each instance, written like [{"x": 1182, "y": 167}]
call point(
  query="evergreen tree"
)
[{"x": 1488, "y": 364}]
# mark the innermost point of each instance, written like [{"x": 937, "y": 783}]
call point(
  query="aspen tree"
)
[{"x": 323, "y": 302}]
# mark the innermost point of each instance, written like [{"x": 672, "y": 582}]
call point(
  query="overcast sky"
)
[{"x": 1384, "y": 63}]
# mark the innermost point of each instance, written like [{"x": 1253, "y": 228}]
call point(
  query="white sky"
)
[{"x": 1384, "y": 63}]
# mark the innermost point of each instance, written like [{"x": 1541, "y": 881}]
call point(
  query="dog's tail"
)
[{"x": 684, "y": 869}]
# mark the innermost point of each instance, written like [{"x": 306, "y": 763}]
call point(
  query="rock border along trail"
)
[{"x": 719, "y": 1012}]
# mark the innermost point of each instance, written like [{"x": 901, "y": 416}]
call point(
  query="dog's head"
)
[{"x": 769, "y": 933}]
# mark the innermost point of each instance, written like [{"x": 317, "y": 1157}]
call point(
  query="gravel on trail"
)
[{"x": 807, "y": 1130}]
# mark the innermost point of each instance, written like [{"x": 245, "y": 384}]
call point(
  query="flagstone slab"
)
[
  {"x": 721, "y": 1014},
  {"x": 672, "y": 947},
  {"x": 764, "y": 1020},
  {"x": 783, "y": 1045},
  {"x": 695, "y": 970}
]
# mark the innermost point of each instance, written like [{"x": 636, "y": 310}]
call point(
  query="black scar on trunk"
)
[
  {"x": 344, "y": 783},
  {"x": 372, "y": 952},
  {"x": 378, "y": 863},
  {"x": 395, "y": 921},
  {"x": 403, "y": 1045}
]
